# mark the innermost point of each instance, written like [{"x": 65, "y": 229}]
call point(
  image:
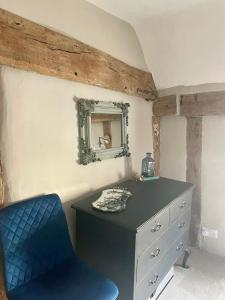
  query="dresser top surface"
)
[{"x": 148, "y": 199}]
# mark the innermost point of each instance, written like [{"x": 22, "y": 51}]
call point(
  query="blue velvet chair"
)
[{"x": 38, "y": 258}]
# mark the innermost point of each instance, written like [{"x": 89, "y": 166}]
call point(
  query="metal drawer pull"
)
[
  {"x": 151, "y": 282},
  {"x": 155, "y": 253},
  {"x": 156, "y": 228},
  {"x": 180, "y": 246},
  {"x": 183, "y": 204},
  {"x": 181, "y": 225}
]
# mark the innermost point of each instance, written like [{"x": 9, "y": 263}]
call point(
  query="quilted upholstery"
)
[
  {"x": 72, "y": 280},
  {"x": 34, "y": 237},
  {"x": 39, "y": 262}
]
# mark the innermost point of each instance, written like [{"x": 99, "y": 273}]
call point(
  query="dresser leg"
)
[
  {"x": 187, "y": 253},
  {"x": 183, "y": 262}
]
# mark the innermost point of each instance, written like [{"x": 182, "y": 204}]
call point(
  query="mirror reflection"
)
[{"x": 106, "y": 131}]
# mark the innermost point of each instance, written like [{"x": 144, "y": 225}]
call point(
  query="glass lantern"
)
[{"x": 148, "y": 166}]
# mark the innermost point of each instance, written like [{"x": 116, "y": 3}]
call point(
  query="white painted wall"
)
[
  {"x": 185, "y": 47},
  {"x": 40, "y": 131},
  {"x": 213, "y": 182},
  {"x": 173, "y": 164},
  {"x": 173, "y": 147},
  {"x": 40, "y": 137},
  {"x": 182, "y": 49},
  {"x": 40, "y": 149}
]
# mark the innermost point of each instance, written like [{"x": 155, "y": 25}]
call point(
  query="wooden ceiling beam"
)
[
  {"x": 32, "y": 47},
  {"x": 203, "y": 104},
  {"x": 165, "y": 106}
]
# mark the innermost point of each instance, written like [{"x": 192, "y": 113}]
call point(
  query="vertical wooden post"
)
[
  {"x": 156, "y": 143},
  {"x": 194, "y": 160}
]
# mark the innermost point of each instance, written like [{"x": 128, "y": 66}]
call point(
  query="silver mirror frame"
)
[{"x": 85, "y": 108}]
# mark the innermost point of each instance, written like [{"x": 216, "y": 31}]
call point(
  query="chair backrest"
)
[{"x": 34, "y": 238}]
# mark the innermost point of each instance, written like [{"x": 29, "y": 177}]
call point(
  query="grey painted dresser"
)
[{"x": 137, "y": 247}]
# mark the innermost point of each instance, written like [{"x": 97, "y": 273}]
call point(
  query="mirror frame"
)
[{"x": 85, "y": 108}]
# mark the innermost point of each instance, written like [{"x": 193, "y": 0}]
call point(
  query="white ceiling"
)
[
  {"x": 182, "y": 40},
  {"x": 134, "y": 11}
]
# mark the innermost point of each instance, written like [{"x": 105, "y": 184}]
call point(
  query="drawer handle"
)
[
  {"x": 156, "y": 228},
  {"x": 183, "y": 204},
  {"x": 153, "y": 281},
  {"x": 180, "y": 246},
  {"x": 156, "y": 252},
  {"x": 181, "y": 225}
]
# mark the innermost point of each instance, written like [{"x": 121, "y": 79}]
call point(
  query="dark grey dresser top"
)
[{"x": 148, "y": 199}]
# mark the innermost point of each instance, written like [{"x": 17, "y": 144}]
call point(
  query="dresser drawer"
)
[
  {"x": 151, "y": 231},
  {"x": 181, "y": 224},
  {"x": 153, "y": 255},
  {"x": 179, "y": 246},
  {"x": 150, "y": 283},
  {"x": 157, "y": 250},
  {"x": 180, "y": 205}
]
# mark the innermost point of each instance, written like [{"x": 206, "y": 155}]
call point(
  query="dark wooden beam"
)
[
  {"x": 194, "y": 159},
  {"x": 156, "y": 143},
  {"x": 29, "y": 46},
  {"x": 203, "y": 104},
  {"x": 165, "y": 106}
]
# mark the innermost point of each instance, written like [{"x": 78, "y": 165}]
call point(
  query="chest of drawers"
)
[{"x": 136, "y": 248}]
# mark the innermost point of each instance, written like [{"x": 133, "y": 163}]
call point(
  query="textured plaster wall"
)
[{"x": 40, "y": 125}]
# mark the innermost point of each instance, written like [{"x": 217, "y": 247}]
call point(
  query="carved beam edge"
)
[
  {"x": 156, "y": 143},
  {"x": 32, "y": 47}
]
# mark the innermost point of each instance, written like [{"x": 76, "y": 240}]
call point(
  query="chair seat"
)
[{"x": 71, "y": 280}]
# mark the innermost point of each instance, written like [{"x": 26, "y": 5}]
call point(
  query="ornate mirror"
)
[{"x": 102, "y": 130}]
